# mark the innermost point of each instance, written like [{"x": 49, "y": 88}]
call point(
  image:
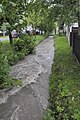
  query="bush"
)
[
  {"x": 29, "y": 42},
  {"x": 49, "y": 115},
  {"x": 6, "y": 81},
  {"x": 19, "y": 44},
  {"x": 18, "y": 52},
  {"x": 21, "y": 55},
  {"x": 12, "y": 58},
  {"x": 4, "y": 68},
  {"x": 24, "y": 42},
  {"x": 30, "y": 47}
]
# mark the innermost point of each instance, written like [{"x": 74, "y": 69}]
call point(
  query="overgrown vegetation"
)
[
  {"x": 4, "y": 68},
  {"x": 10, "y": 55},
  {"x": 5, "y": 79},
  {"x": 64, "y": 84},
  {"x": 49, "y": 115}
]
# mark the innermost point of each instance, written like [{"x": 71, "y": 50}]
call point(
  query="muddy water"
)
[{"x": 29, "y": 102}]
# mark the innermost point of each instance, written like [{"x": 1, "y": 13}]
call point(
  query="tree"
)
[
  {"x": 40, "y": 15},
  {"x": 12, "y": 13},
  {"x": 22, "y": 12},
  {"x": 68, "y": 10}
]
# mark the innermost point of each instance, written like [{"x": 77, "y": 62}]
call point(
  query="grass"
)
[
  {"x": 6, "y": 46},
  {"x": 64, "y": 83},
  {"x": 3, "y": 36},
  {"x": 38, "y": 39},
  {"x": 5, "y": 41}
]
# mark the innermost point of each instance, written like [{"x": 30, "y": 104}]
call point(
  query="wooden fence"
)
[{"x": 75, "y": 42}]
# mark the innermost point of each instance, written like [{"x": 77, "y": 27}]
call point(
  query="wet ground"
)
[{"x": 29, "y": 102}]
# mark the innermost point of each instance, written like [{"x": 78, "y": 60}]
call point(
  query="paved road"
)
[{"x": 29, "y": 102}]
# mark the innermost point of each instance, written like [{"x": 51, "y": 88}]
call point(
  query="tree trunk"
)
[
  {"x": 55, "y": 31},
  {"x": 10, "y": 37}
]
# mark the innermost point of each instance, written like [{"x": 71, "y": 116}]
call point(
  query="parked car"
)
[
  {"x": 37, "y": 32},
  {"x": 14, "y": 34}
]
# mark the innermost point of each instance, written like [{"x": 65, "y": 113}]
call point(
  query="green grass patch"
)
[
  {"x": 3, "y": 36},
  {"x": 5, "y": 46},
  {"x": 38, "y": 39},
  {"x": 64, "y": 83}
]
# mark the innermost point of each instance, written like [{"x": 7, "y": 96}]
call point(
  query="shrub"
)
[
  {"x": 24, "y": 42},
  {"x": 30, "y": 46},
  {"x": 6, "y": 81},
  {"x": 12, "y": 58},
  {"x": 12, "y": 82},
  {"x": 29, "y": 42},
  {"x": 19, "y": 44},
  {"x": 4, "y": 68},
  {"x": 21, "y": 55},
  {"x": 49, "y": 115},
  {"x": 24, "y": 36}
]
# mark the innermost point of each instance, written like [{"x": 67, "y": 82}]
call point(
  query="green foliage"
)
[
  {"x": 64, "y": 83},
  {"x": 11, "y": 82},
  {"x": 4, "y": 67},
  {"x": 21, "y": 55},
  {"x": 77, "y": 114},
  {"x": 12, "y": 58},
  {"x": 18, "y": 14},
  {"x": 11, "y": 55},
  {"x": 48, "y": 115},
  {"x": 21, "y": 47},
  {"x": 28, "y": 42},
  {"x": 19, "y": 44},
  {"x": 66, "y": 11},
  {"x": 5, "y": 80},
  {"x": 40, "y": 15},
  {"x": 39, "y": 38}
]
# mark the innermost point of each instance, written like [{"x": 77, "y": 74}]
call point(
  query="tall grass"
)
[{"x": 64, "y": 83}]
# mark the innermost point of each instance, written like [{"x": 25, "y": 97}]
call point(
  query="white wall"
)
[{"x": 69, "y": 29}]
